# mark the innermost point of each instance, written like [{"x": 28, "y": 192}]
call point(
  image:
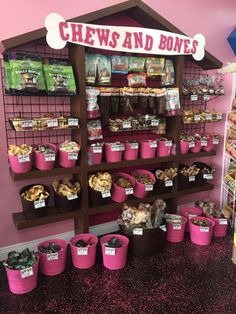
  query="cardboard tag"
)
[
  {"x": 153, "y": 144},
  {"x": 138, "y": 231},
  {"x": 134, "y": 145},
  {"x": 216, "y": 141},
  {"x": 73, "y": 122},
  {"x": 126, "y": 125},
  {"x": 191, "y": 144},
  {"x": 52, "y": 123},
  {"x": 110, "y": 251},
  {"x": 148, "y": 187},
  {"x": 23, "y": 158},
  {"x": 97, "y": 149},
  {"x": 117, "y": 147},
  {"x": 163, "y": 227},
  {"x": 168, "y": 183},
  {"x": 129, "y": 191},
  {"x": 190, "y": 216},
  {"x": 208, "y": 176},
  {"x": 154, "y": 122},
  {"x": 194, "y": 97},
  {"x": 208, "y": 117},
  {"x": 39, "y": 204},
  {"x": 206, "y": 97},
  {"x": 191, "y": 178},
  {"x": 27, "y": 124},
  {"x": 223, "y": 221},
  {"x": 50, "y": 157},
  {"x": 27, "y": 272},
  {"x": 203, "y": 143},
  {"x": 82, "y": 251},
  {"x": 52, "y": 256},
  {"x": 204, "y": 229},
  {"x": 168, "y": 143},
  {"x": 219, "y": 116},
  {"x": 72, "y": 156},
  {"x": 197, "y": 118},
  {"x": 72, "y": 197},
  {"x": 106, "y": 194},
  {"x": 177, "y": 226}
]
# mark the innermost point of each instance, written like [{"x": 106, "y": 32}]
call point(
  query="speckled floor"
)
[{"x": 184, "y": 278}]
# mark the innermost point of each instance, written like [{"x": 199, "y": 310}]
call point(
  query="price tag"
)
[
  {"x": 52, "y": 256},
  {"x": 216, "y": 141},
  {"x": 194, "y": 97},
  {"x": 73, "y": 122},
  {"x": 27, "y": 124},
  {"x": 204, "y": 229},
  {"x": 191, "y": 178},
  {"x": 190, "y": 216},
  {"x": 110, "y": 251},
  {"x": 27, "y": 272},
  {"x": 153, "y": 144},
  {"x": 106, "y": 194},
  {"x": 39, "y": 204},
  {"x": 148, "y": 187},
  {"x": 72, "y": 197},
  {"x": 223, "y": 221},
  {"x": 134, "y": 145},
  {"x": 82, "y": 251},
  {"x": 138, "y": 231},
  {"x": 163, "y": 227},
  {"x": 168, "y": 183},
  {"x": 50, "y": 157},
  {"x": 208, "y": 176},
  {"x": 206, "y": 97},
  {"x": 117, "y": 147},
  {"x": 177, "y": 226},
  {"x": 126, "y": 125},
  {"x": 72, "y": 156},
  {"x": 52, "y": 123},
  {"x": 191, "y": 144},
  {"x": 97, "y": 149},
  {"x": 168, "y": 143},
  {"x": 203, "y": 143},
  {"x": 23, "y": 158},
  {"x": 219, "y": 116},
  {"x": 197, "y": 118},
  {"x": 154, "y": 122},
  {"x": 129, "y": 191},
  {"x": 209, "y": 117}
]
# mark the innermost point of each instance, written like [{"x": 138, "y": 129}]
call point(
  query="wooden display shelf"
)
[
  {"x": 35, "y": 173},
  {"x": 196, "y": 155},
  {"x": 52, "y": 216}
]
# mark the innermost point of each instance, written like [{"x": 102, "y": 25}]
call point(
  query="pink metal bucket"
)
[
  {"x": 146, "y": 151},
  {"x": 112, "y": 156},
  {"x": 84, "y": 258},
  {"x": 40, "y": 161},
  {"x": 175, "y": 232},
  {"x": 197, "y": 147},
  {"x": 210, "y": 145},
  {"x": 141, "y": 190},
  {"x": 114, "y": 258},
  {"x": 131, "y": 151},
  {"x": 189, "y": 212},
  {"x": 184, "y": 147},
  {"x": 19, "y": 164},
  {"x": 94, "y": 155},
  {"x": 68, "y": 159},
  {"x": 162, "y": 149},
  {"x": 201, "y": 235},
  {"x": 221, "y": 227},
  {"x": 119, "y": 194}
]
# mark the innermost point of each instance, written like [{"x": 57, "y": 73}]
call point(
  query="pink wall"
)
[{"x": 216, "y": 23}]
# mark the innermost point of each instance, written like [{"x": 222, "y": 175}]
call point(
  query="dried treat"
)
[
  {"x": 167, "y": 174},
  {"x": 82, "y": 243},
  {"x": 174, "y": 219},
  {"x": 52, "y": 247},
  {"x": 113, "y": 243},
  {"x": 20, "y": 150},
  {"x": 94, "y": 130},
  {"x": 123, "y": 182},
  {"x": 67, "y": 146},
  {"x": 20, "y": 260},
  {"x": 201, "y": 222},
  {"x": 35, "y": 193},
  {"x": 137, "y": 80},
  {"x": 155, "y": 66},
  {"x": 100, "y": 182},
  {"x": 66, "y": 187},
  {"x": 119, "y": 64},
  {"x": 104, "y": 69},
  {"x": 45, "y": 149},
  {"x": 144, "y": 179},
  {"x": 190, "y": 171}
]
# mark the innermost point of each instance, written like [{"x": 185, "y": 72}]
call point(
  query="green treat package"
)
[
  {"x": 26, "y": 73},
  {"x": 136, "y": 64},
  {"x": 7, "y": 75},
  {"x": 90, "y": 68},
  {"x": 59, "y": 77}
]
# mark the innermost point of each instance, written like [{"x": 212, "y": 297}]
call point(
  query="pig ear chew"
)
[
  {"x": 53, "y": 35},
  {"x": 200, "y": 51}
]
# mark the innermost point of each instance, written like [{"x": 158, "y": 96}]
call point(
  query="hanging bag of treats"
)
[
  {"x": 103, "y": 70},
  {"x": 155, "y": 67},
  {"x": 93, "y": 110}
]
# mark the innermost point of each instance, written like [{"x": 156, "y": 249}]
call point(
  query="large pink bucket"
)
[
  {"x": 163, "y": 149},
  {"x": 112, "y": 156},
  {"x": 197, "y": 148},
  {"x": 119, "y": 194},
  {"x": 189, "y": 212},
  {"x": 146, "y": 151},
  {"x": 114, "y": 258},
  {"x": 210, "y": 145},
  {"x": 68, "y": 159},
  {"x": 84, "y": 257},
  {"x": 221, "y": 227},
  {"x": 175, "y": 231},
  {"x": 201, "y": 235},
  {"x": 55, "y": 263},
  {"x": 19, "y": 285},
  {"x": 40, "y": 161},
  {"x": 184, "y": 147},
  {"x": 141, "y": 190},
  {"x": 94, "y": 155},
  {"x": 19, "y": 164},
  {"x": 131, "y": 151}
]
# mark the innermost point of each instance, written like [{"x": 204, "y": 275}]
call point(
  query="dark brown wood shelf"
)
[
  {"x": 196, "y": 155},
  {"x": 52, "y": 216},
  {"x": 35, "y": 173}
]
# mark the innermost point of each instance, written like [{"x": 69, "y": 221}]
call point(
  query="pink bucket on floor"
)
[
  {"x": 68, "y": 159},
  {"x": 112, "y": 156},
  {"x": 51, "y": 265},
  {"x": 146, "y": 151},
  {"x": 18, "y": 165},
  {"x": 84, "y": 257},
  {"x": 140, "y": 190},
  {"x": 40, "y": 162},
  {"x": 221, "y": 227},
  {"x": 131, "y": 151},
  {"x": 19, "y": 285},
  {"x": 162, "y": 149},
  {"x": 114, "y": 258},
  {"x": 210, "y": 145},
  {"x": 201, "y": 235},
  {"x": 94, "y": 155},
  {"x": 189, "y": 212},
  {"x": 175, "y": 232},
  {"x": 197, "y": 147},
  {"x": 119, "y": 194},
  {"x": 184, "y": 147}
]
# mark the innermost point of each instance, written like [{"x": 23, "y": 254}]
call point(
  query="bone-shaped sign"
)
[{"x": 118, "y": 38}]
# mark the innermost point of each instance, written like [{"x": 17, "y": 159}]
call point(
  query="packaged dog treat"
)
[
  {"x": 155, "y": 66},
  {"x": 26, "y": 73},
  {"x": 59, "y": 77},
  {"x": 136, "y": 64},
  {"x": 172, "y": 99},
  {"x": 7, "y": 75},
  {"x": 92, "y": 104},
  {"x": 168, "y": 79},
  {"x": 104, "y": 70},
  {"x": 90, "y": 68},
  {"x": 137, "y": 79},
  {"x": 119, "y": 64},
  {"x": 94, "y": 130}
]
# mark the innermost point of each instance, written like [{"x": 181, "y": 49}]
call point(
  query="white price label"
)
[
  {"x": 52, "y": 256},
  {"x": 223, "y": 221},
  {"x": 110, "y": 251},
  {"x": 190, "y": 216},
  {"x": 23, "y": 158},
  {"x": 176, "y": 226},
  {"x": 126, "y": 125},
  {"x": 82, "y": 251},
  {"x": 216, "y": 141},
  {"x": 134, "y": 145},
  {"x": 203, "y": 143},
  {"x": 72, "y": 197},
  {"x": 106, "y": 194},
  {"x": 153, "y": 144},
  {"x": 97, "y": 149},
  {"x": 191, "y": 144},
  {"x": 197, "y": 117},
  {"x": 27, "y": 124},
  {"x": 204, "y": 229},
  {"x": 191, "y": 178},
  {"x": 138, "y": 231},
  {"x": 50, "y": 157},
  {"x": 206, "y": 97},
  {"x": 194, "y": 97},
  {"x": 208, "y": 116},
  {"x": 52, "y": 123},
  {"x": 219, "y": 116},
  {"x": 27, "y": 272},
  {"x": 208, "y": 176},
  {"x": 72, "y": 156},
  {"x": 73, "y": 122},
  {"x": 168, "y": 143},
  {"x": 129, "y": 191},
  {"x": 154, "y": 122},
  {"x": 163, "y": 227},
  {"x": 168, "y": 183},
  {"x": 39, "y": 204},
  {"x": 117, "y": 147},
  {"x": 148, "y": 187}
]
